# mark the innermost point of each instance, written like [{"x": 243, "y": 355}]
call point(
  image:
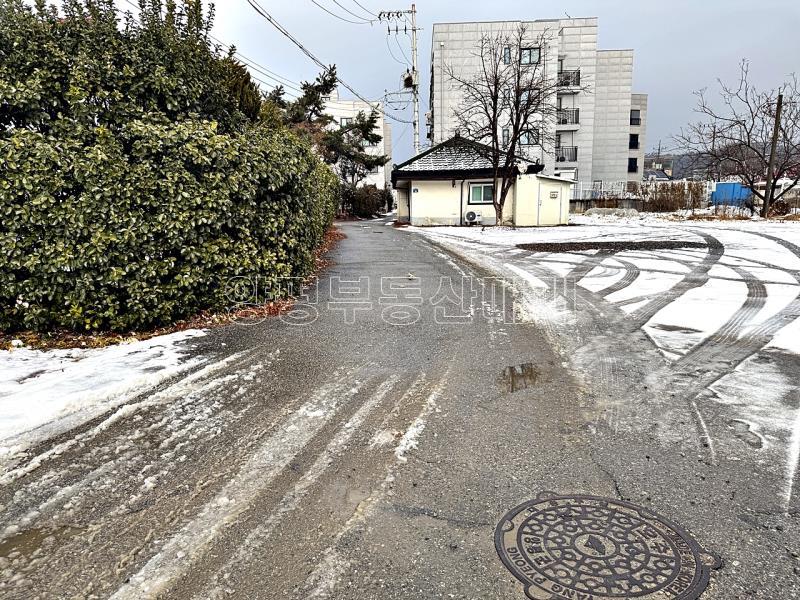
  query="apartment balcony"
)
[
  {"x": 569, "y": 79},
  {"x": 568, "y": 118},
  {"x": 566, "y": 154}
]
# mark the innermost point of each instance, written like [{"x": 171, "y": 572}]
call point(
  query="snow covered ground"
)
[
  {"x": 44, "y": 393},
  {"x": 717, "y": 326}
]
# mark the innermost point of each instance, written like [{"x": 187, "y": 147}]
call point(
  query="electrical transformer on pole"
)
[{"x": 411, "y": 79}]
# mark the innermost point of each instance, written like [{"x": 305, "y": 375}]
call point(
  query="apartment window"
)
[
  {"x": 530, "y": 56},
  {"x": 529, "y": 97},
  {"x": 481, "y": 193},
  {"x": 507, "y": 55},
  {"x": 558, "y": 140},
  {"x": 636, "y": 117},
  {"x": 633, "y": 165},
  {"x": 506, "y": 137},
  {"x": 529, "y": 138},
  {"x": 347, "y": 121},
  {"x": 633, "y": 141}
]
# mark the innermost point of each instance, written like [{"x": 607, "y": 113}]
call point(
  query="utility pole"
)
[
  {"x": 415, "y": 74},
  {"x": 396, "y": 15},
  {"x": 772, "y": 157}
]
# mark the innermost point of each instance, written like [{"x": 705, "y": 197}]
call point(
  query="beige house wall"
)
[{"x": 529, "y": 203}]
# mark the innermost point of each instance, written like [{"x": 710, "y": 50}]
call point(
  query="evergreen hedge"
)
[{"x": 125, "y": 206}]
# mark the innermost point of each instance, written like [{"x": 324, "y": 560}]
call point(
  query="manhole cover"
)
[{"x": 590, "y": 548}]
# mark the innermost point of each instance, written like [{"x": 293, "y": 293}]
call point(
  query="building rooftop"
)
[
  {"x": 454, "y": 157},
  {"x": 455, "y": 153}
]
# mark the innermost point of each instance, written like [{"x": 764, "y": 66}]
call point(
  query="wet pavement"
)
[{"x": 368, "y": 448}]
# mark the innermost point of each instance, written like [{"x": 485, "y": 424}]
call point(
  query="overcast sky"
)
[{"x": 680, "y": 45}]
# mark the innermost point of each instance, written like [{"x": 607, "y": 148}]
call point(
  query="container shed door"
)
[{"x": 550, "y": 204}]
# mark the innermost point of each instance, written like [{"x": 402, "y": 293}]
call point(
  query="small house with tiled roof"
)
[{"x": 452, "y": 184}]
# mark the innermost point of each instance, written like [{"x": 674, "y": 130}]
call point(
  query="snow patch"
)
[{"x": 43, "y": 393}]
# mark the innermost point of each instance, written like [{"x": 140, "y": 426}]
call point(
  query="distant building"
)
[
  {"x": 656, "y": 175},
  {"x": 787, "y": 184},
  {"x": 344, "y": 111},
  {"x": 659, "y": 162},
  {"x": 600, "y": 124}
]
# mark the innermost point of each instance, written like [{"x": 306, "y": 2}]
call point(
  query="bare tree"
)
[
  {"x": 735, "y": 138},
  {"x": 509, "y": 103}
]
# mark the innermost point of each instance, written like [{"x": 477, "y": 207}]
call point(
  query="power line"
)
[
  {"x": 391, "y": 53},
  {"x": 365, "y": 9},
  {"x": 333, "y": 14},
  {"x": 347, "y": 10},
  {"x": 408, "y": 60},
  {"x": 285, "y": 82},
  {"x": 283, "y": 31}
]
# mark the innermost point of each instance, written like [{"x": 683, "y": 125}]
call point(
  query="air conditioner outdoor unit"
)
[
  {"x": 473, "y": 218},
  {"x": 563, "y": 122},
  {"x": 562, "y": 159}
]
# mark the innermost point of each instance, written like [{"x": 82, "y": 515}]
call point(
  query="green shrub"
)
[
  {"x": 132, "y": 190},
  {"x": 365, "y": 201},
  {"x": 95, "y": 237}
]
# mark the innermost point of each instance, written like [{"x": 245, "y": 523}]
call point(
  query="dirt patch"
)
[
  {"x": 62, "y": 339},
  {"x": 614, "y": 246}
]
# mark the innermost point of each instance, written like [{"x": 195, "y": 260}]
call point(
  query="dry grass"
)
[{"x": 205, "y": 320}]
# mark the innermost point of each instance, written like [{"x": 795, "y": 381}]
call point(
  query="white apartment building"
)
[
  {"x": 600, "y": 126},
  {"x": 344, "y": 111}
]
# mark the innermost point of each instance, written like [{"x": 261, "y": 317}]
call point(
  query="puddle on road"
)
[
  {"x": 519, "y": 378},
  {"x": 29, "y": 541}
]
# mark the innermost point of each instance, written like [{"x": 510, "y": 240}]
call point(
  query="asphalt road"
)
[{"x": 371, "y": 452}]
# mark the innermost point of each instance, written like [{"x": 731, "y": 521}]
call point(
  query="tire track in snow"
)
[
  {"x": 632, "y": 273},
  {"x": 190, "y": 543},
  {"x": 332, "y": 565},
  {"x": 186, "y": 385},
  {"x": 697, "y": 277},
  {"x": 124, "y": 520},
  {"x": 293, "y": 498},
  {"x": 589, "y": 264},
  {"x": 722, "y": 341}
]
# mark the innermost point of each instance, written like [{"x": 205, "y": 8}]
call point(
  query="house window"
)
[
  {"x": 506, "y": 137},
  {"x": 633, "y": 141},
  {"x": 636, "y": 117},
  {"x": 529, "y": 138},
  {"x": 530, "y": 56},
  {"x": 507, "y": 55},
  {"x": 633, "y": 165},
  {"x": 481, "y": 193}
]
